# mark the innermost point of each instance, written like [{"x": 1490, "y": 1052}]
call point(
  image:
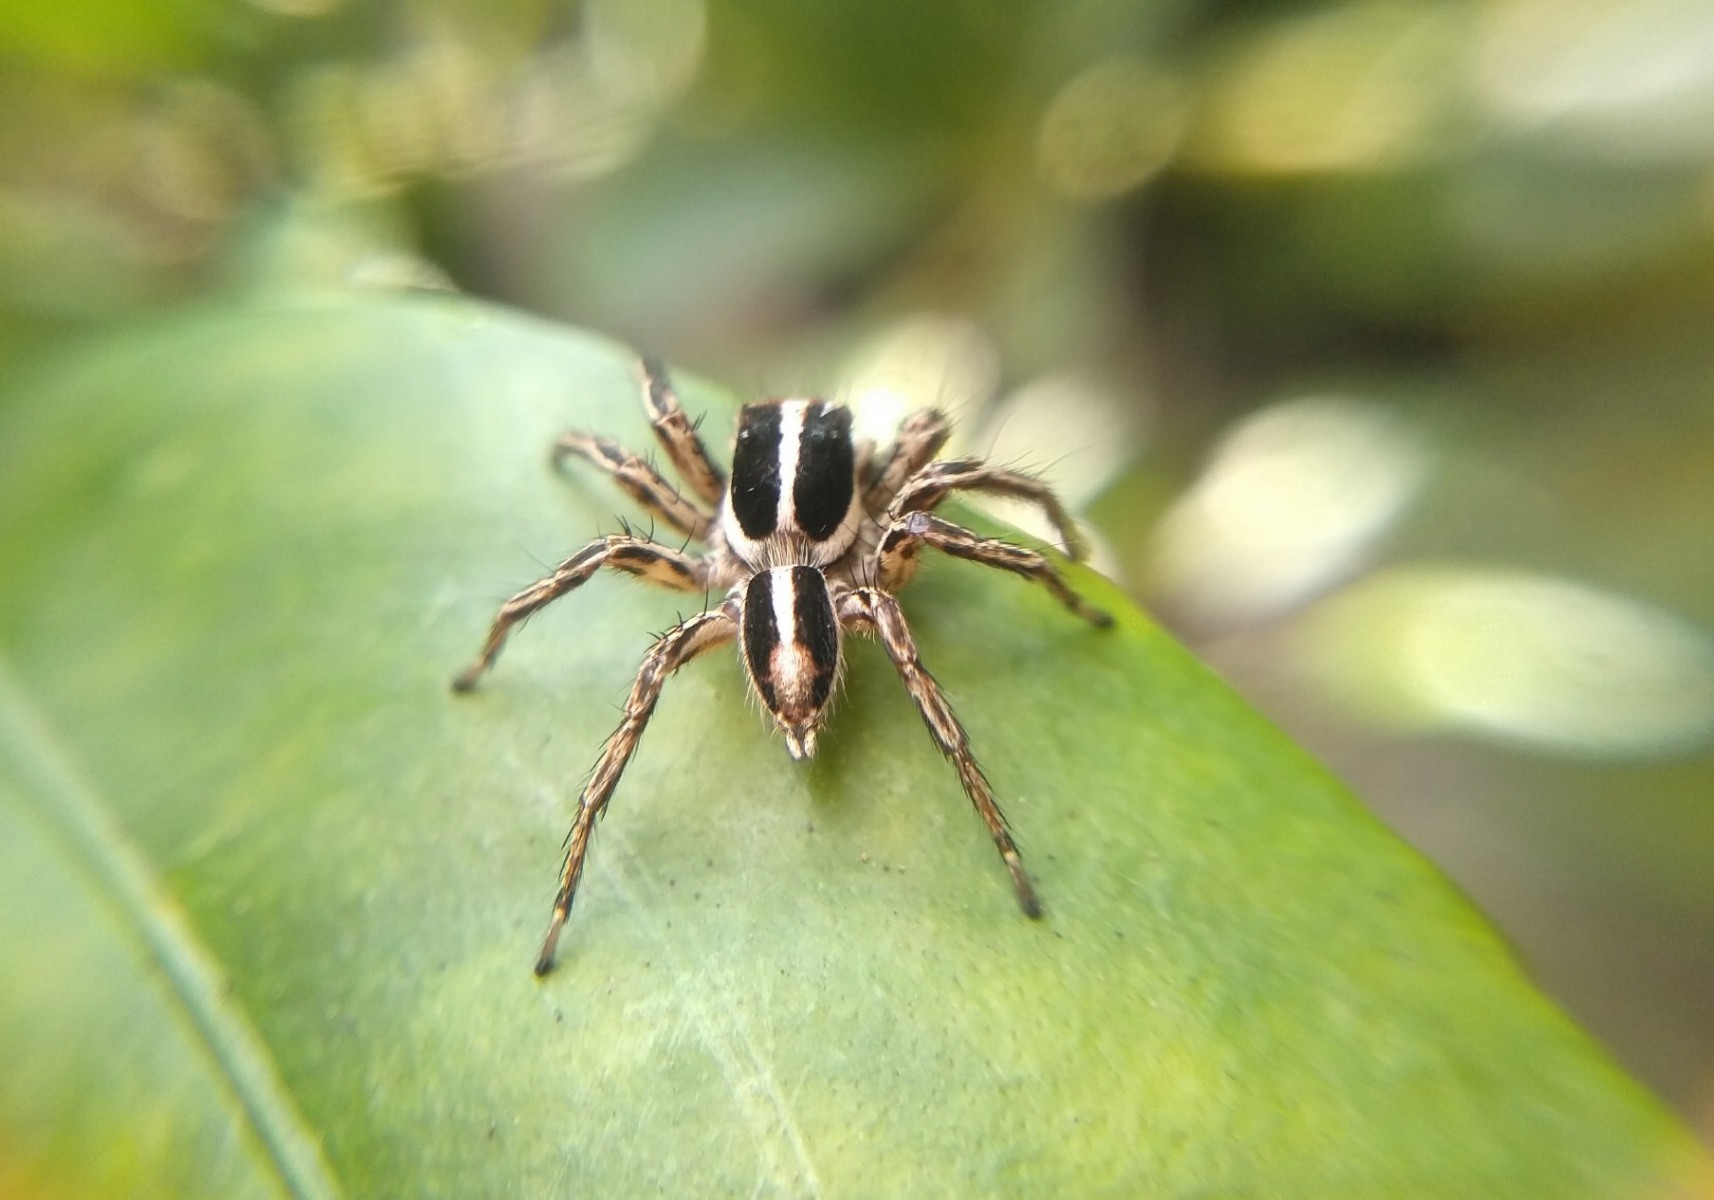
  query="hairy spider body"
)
[{"x": 811, "y": 538}]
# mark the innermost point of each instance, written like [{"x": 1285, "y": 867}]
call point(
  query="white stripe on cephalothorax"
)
[{"x": 791, "y": 442}]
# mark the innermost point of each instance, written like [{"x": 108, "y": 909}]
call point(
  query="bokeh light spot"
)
[
  {"x": 1109, "y": 129},
  {"x": 1357, "y": 87},
  {"x": 929, "y": 360},
  {"x": 1546, "y": 663},
  {"x": 1287, "y": 505},
  {"x": 1618, "y": 80}
]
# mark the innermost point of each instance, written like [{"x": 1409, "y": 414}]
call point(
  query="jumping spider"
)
[{"x": 812, "y": 536}]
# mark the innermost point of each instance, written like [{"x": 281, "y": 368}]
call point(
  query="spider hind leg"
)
[
  {"x": 671, "y": 651},
  {"x": 876, "y": 611}
]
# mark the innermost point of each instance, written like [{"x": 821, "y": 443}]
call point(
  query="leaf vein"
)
[{"x": 72, "y": 807}]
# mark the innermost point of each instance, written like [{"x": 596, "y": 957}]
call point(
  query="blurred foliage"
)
[{"x": 1394, "y": 313}]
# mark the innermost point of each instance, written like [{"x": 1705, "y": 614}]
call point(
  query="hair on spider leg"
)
[
  {"x": 805, "y": 547},
  {"x": 1024, "y": 464},
  {"x": 870, "y": 573},
  {"x": 524, "y": 549}
]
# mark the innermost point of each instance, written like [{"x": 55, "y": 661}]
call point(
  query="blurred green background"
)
[{"x": 1374, "y": 340}]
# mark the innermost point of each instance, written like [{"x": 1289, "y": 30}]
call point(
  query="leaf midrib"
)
[{"x": 72, "y": 809}]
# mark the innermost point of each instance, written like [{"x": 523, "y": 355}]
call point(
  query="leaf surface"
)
[{"x": 281, "y": 890}]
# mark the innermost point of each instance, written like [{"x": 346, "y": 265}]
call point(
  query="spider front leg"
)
[
  {"x": 919, "y": 440},
  {"x": 874, "y": 610},
  {"x": 924, "y": 491},
  {"x": 677, "y": 434},
  {"x": 671, "y": 651},
  {"x": 660, "y": 565},
  {"x": 639, "y": 480},
  {"x": 901, "y": 541}
]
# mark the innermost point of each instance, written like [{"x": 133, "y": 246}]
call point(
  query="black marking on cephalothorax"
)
[
  {"x": 761, "y": 635},
  {"x": 755, "y": 488},
  {"x": 815, "y": 629},
  {"x": 826, "y": 470}
]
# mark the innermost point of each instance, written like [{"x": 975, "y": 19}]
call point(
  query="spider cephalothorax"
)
[{"x": 811, "y": 538}]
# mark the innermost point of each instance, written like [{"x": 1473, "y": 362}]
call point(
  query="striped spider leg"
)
[
  {"x": 677, "y": 434},
  {"x": 671, "y": 651},
  {"x": 691, "y": 515},
  {"x": 660, "y": 565},
  {"x": 872, "y": 610},
  {"x": 924, "y": 491},
  {"x": 638, "y": 479},
  {"x": 897, "y": 559},
  {"x": 919, "y": 439},
  {"x": 811, "y": 535}
]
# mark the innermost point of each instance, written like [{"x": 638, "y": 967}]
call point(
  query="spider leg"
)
[
  {"x": 899, "y": 545},
  {"x": 671, "y": 651},
  {"x": 924, "y": 491},
  {"x": 660, "y": 565},
  {"x": 919, "y": 440},
  {"x": 874, "y": 610},
  {"x": 678, "y": 435},
  {"x": 639, "y": 480}
]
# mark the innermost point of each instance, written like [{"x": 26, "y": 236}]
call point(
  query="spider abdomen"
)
[{"x": 790, "y": 639}]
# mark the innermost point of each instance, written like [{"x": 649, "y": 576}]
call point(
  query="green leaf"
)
[{"x": 274, "y": 893}]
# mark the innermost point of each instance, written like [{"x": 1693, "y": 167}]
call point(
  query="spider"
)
[{"x": 811, "y": 538}]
